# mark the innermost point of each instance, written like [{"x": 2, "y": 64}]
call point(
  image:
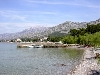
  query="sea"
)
[{"x": 37, "y": 61}]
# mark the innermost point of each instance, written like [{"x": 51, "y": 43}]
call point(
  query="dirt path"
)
[{"x": 88, "y": 65}]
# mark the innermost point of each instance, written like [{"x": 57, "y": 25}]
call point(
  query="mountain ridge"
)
[
  {"x": 66, "y": 26},
  {"x": 45, "y": 31}
]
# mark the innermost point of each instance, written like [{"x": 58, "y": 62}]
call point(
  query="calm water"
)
[{"x": 36, "y": 61}]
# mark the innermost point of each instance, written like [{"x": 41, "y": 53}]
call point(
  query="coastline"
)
[{"x": 88, "y": 65}]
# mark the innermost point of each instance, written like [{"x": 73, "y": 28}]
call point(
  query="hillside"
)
[
  {"x": 45, "y": 31},
  {"x": 31, "y": 32},
  {"x": 66, "y": 26}
]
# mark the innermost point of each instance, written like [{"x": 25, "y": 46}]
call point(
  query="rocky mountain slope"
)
[
  {"x": 66, "y": 26},
  {"x": 31, "y": 32},
  {"x": 45, "y": 31}
]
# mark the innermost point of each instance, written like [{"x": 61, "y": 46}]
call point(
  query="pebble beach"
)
[{"x": 88, "y": 65}]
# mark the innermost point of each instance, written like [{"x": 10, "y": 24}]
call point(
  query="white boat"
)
[
  {"x": 38, "y": 46},
  {"x": 30, "y": 46}
]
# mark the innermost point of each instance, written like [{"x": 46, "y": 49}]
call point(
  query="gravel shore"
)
[{"x": 88, "y": 65}]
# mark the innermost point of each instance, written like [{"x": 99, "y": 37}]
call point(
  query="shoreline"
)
[{"x": 87, "y": 66}]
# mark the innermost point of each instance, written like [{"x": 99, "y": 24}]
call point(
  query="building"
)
[{"x": 19, "y": 40}]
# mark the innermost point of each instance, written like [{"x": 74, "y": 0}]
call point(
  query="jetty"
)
[{"x": 45, "y": 45}]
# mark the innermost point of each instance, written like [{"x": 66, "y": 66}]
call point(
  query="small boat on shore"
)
[
  {"x": 38, "y": 46},
  {"x": 35, "y": 46},
  {"x": 30, "y": 46}
]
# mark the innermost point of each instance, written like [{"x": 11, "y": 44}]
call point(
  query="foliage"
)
[
  {"x": 98, "y": 60},
  {"x": 86, "y": 36},
  {"x": 93, "y": 28},
  {"x": 57, "y": 34},
  {"x": 86, "y": 39},
  {"x": 75, "y": 32},
  {"x": 12, "y": 41},
  {"x": 30, "y": 39},
  {"x": 54, "y": 39},
  {"x": 90, "y": 29},
  {"x": 69, "y": 39}
]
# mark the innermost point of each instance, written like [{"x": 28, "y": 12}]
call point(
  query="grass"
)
[{"x": 98, "y": 60}]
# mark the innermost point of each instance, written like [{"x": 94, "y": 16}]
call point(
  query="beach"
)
[{"x": 88, "y": 64}]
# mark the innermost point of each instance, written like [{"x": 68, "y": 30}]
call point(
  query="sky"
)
[{"x": 17, "y": 15}]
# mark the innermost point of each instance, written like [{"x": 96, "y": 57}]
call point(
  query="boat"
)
[
  {"x": 38, "y": 46},
  {"x": 30, "y": 46}
]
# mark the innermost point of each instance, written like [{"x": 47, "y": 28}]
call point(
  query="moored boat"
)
[
  {"x": 30, "y": 46},
  {"x": 38, "y": 46}
]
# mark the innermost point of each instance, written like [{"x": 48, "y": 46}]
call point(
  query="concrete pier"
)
[{"x": 45, "y": 45}]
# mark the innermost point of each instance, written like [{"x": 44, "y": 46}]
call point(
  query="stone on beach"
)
[{"x": 88, "y": 66}]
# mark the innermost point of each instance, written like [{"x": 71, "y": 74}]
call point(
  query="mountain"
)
[
  {"x": 66, "y": 26},
  {"x": 31, "y": 32},
  {"x": 45, "y": 31}
]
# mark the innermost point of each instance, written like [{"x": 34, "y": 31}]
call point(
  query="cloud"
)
[
  {"x": 23, "y": 14},
  {"x": 18, "y": 17},
  {"x": 17, "y": 27},
  {"x": 83, "y": 3},
  {"x": 12, "y": 15},
  {"x": 14, "y": 27},
  {"x": 48, "y": 13},
  {"x": 41, "y": 12},
  {"x": 26, "y": 16},
  {"x": 44, "y": 2},
  {"x": 88, "y": 3},
  {"x": 50, "y": 2}
]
